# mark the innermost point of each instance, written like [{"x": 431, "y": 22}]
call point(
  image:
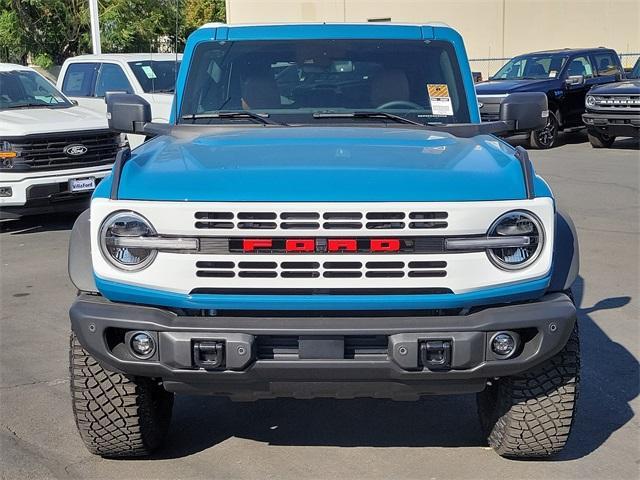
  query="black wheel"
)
[
  {"x": 600, "y": 140},
  {"x": 531, "y": 414},
  {"x": 545, "y": 137},
  {"x": 116, "y": 415}
]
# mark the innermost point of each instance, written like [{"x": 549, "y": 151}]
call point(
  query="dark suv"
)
[
  {"x": 613, "y": 110},
  {"x": 565, "y": 76}
]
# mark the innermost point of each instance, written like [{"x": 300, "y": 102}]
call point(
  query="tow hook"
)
[
  {"x": 208, "y": 355},
  {"x": 436, "y": 354}
]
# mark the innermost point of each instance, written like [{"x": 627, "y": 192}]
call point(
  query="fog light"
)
[
  {"x": 6, "y": 191},
  {"x": 142, "y": 345},
  {"x": 503, "y": 344}
]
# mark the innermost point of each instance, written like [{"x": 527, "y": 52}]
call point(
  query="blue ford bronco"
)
[{"x": 324, "y": 216}]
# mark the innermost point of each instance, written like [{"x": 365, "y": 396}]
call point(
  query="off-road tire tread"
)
[
  {"x": 531, "y": 414},
  {"x": 116, "y": 415}
]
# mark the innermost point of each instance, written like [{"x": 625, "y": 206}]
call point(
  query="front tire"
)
[
  {"x": 116, "y": 415},
  {"x": 546, "y": 137},
  {"x": 531, "y": 414},
  {"x": 600, "y": 140}
]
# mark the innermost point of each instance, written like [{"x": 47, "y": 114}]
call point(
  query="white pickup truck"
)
[
  {"x": 87, "y": 78},
  {"x": 53, "y": 152}
]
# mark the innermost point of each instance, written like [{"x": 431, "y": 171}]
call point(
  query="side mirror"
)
[
  {"x": 127, "y": 113},
  {"x": 574, "y": 80},
  {"x": 527, "y": 111}
]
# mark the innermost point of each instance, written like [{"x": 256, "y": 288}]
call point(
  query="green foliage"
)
[
  {"x": 52, "y": 30},
  {"x": 12, "y": 45},
  {"x": 43, "y": 60}
]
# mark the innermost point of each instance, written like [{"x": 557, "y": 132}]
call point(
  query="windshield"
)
[
  {"x": 293, "y": 80},
  {"x": 156, "y": 77},
  {"x": 536, "y": 66},
  {"x": 28, "y": 89}
]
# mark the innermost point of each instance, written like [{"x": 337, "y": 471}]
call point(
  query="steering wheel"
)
[{"x": 400, "y": 104}]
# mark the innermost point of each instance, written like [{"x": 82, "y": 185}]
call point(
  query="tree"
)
[
  {"x": 199, "y": 12},
  {"x": 53, "y": 30}
]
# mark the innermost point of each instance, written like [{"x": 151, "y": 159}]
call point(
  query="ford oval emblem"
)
[{"x": 75, "y": 150}]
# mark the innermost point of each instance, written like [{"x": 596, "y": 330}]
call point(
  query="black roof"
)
[{"x": 569, "y": 50}]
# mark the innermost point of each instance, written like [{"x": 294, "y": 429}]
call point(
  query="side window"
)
[
  {"x": 79, "y": 79},
  {"x": 579, "y": 66},
  {"x": 606, "y": 64},
  {"x": 111, "y": 78}
]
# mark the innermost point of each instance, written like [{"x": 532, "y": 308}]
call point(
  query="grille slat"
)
[
  {"x": 304, "y": 220},
  {"x": 329, "y": 269}
]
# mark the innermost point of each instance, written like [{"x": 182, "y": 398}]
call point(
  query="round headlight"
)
[
  {"x": 517, "y": 224},
  {"x": 591, "y": 101},
  {"x": 121, "y": 225}
]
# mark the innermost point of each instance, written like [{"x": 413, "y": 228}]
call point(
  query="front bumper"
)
[
  {"x": 613, "y": 124},
  {"x": 264, "y": 354},
  {"x": 45, "y": 191}
]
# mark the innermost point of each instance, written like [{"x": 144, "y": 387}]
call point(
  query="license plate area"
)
[{"x": 86, "y": 184}]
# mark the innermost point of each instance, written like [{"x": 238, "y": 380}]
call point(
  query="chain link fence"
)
[{"x": 489, "y": 66}]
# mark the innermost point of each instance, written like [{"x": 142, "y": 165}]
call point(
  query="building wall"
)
[{"x": 492, "y": 29}]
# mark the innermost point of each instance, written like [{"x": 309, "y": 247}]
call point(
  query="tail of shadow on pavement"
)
[
  {"x": 440, "y": 421},
  {"x": 610, "y": 380}
]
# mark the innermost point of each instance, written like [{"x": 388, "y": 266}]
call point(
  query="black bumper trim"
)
[
  {"x": 614, "y": 124},
  {"x": 398, "y": 375}
]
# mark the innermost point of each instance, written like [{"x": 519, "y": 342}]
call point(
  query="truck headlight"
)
[
  {"x": 525, "y": 227},
  {"x": 119, "y": 227},
  {"x": 590, "y": 101},
  {"x": 7, "y": 155}
]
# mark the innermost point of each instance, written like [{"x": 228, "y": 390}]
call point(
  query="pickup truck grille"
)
[
  {"x": 315, "y": 220},
  {"x": 47, "y": 151}
]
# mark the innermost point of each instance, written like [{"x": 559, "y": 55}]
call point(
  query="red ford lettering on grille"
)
[
  {"x": 251, "y": 244},
  {"x": 321, "y": 245},
  {"x": 385, "y": 245},
  {"x": 302, "y": 245},
  {"x": 342, "y": 245}
]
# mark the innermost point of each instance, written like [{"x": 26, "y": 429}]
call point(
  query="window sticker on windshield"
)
[
  {"x": 552, "y": 74},
  {"x": 439, "y": 98},
  {"x": 148, "y": 71}
]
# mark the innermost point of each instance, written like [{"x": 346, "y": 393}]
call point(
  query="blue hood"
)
[
  {"x": 495, "y": 87},
  {"x": 321, "y": 164}
]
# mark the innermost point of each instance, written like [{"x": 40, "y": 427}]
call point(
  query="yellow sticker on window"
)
[
  {"x": 439, "y": 99},
  {"x": 438, "y": 90}
]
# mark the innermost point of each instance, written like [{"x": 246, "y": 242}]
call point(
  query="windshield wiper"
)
[
  {"x": 259, "y": 117},
  {"x": 366, "y": 114},
  {"x": 29, "y": 104},
  {"x": 164, "y": 90}
]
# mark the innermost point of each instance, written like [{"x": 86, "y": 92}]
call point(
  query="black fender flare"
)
[
  {"x": 80, "y": 265},
  {"x": 566, "y": 254}
]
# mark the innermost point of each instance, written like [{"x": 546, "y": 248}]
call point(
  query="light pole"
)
[{"x": 95, "y": 27}]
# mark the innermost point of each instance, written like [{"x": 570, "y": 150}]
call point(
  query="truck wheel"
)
[
  {"x": 600, "y": 140},
  {"x": 545, "y": 137},
  {"x": 116, "y": 415},
  {"x": 531, "y": 414}
]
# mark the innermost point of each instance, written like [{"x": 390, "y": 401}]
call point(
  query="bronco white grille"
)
[{"x": 221, "y": 267}]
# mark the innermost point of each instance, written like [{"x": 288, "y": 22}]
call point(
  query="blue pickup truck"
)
[{"x": 324, "y": 216}]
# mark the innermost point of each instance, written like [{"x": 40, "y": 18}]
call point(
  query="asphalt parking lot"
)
[{"x": 438, "y": 437}]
